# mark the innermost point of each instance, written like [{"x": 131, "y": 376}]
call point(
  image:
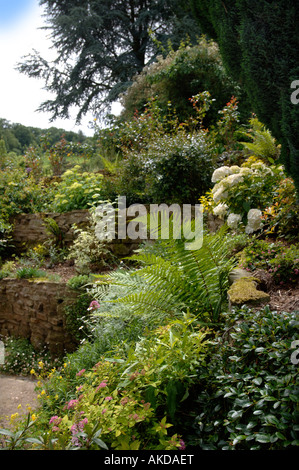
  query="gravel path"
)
[{"x": 15, "y": 391}]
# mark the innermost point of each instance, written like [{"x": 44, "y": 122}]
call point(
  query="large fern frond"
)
[{"x": 179, "y": 279}]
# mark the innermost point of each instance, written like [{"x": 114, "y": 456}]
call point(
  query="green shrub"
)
[
  {"x": 248, "y": 398},
  {"x": 132, "y": 396},
  {"x": 275, "y": 257},
  {"x": 76, "y": 190},
  {"x": 78, "y": 282},
  {"x": 20, "y": 193},
  {"x": 173, "y": 168},
  {"x": 180, "y": 75},
  {"x": 87, "y": 250},
  {"x": 179, "y": 168}
]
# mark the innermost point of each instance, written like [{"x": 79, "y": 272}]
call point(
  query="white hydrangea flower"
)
[
  {"x": 235, "y": 169},
  {"x": 231, "y": 180},
  {"x": 219, "y": 194},
  {"x": 254, "y": 221},
  {"x": 220, "y": 210},
  {"x": 233, "y": 220},
  {"x": 220, "y": 173},
  {"x": 245, "y": 171},
  {"x": 260, "y": 166}
]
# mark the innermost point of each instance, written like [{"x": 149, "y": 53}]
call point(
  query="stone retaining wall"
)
[
  {"x": 30, "y": 229},
  {"x": 35, "y": 310}
]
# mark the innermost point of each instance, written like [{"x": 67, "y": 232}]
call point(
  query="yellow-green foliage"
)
[
  {"x": 244, "y": 291},
  {"x": 77, "y": 190},
  {"x": 129, "y": 397}
]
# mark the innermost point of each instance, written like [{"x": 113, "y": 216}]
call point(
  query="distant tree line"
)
[{"x": 18, "y": 138}]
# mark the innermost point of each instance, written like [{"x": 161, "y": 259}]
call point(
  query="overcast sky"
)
[{"x": 20, "y": 21}]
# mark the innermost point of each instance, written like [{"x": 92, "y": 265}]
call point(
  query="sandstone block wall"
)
[
  {"x": 35, "y": 310},
  {"x": 30, "y": 229}
]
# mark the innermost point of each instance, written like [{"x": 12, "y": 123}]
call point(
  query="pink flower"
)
[
  {"x": 94, "y": 305},
  {"x": 81, "y": 372},
  {"x": 182, "y": 445},
  {"x": 71, "y": 404},
  {"x": 55, "y": 420},
  {"x": 102, "y": 385},
  {"x": 108, "y": 398}
]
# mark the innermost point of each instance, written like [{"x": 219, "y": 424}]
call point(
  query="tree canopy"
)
[
  {"x": 259, "y": 43},
  {"x": 101, "y": 45}
]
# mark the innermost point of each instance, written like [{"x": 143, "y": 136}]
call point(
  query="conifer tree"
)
[{"x": 101, "y": 45}]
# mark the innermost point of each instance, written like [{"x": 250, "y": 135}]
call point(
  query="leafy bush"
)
[
  {"x": 276, "y": 258},
  {"x": 76, "y": 190},
  {"x": 88, "y": 250},
  {"x": 174, "y": 168},
  {"x": 248, "y": 399},
  {"x": 179, "y": 168},
  {"x": 282, "y": 216},
  {"x": 129, "y": 395},
  {"x": 78, "y": 282},
  {"x": 243, "y": 191},
  {"x": 180, "y": 75},
  {"x": 20, "y": 193}
]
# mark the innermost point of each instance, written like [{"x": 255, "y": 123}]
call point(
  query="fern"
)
[
  {"x": 167, "y": 284},
  {"x": 263, "y": 143}
]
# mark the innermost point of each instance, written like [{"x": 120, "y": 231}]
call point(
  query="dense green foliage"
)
[
  {"x": 180, "y": 75},
  {"x": 258, "y": 42},
  {"x": 172, "y": 280},
  {"x": 248, "y": 397},
  {"x": 164, "y": 362}
]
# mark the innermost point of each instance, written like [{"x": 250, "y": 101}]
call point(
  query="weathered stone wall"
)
[
  {"x": 30, "y": 229},
  {"x": 35, "y": 310}
]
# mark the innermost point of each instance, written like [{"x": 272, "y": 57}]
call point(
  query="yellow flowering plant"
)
[
  {"x": 125, "y": 402},
  {"x": 77, "y": 190}
]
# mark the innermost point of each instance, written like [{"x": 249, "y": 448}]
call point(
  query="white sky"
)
[{"x": 20, "y": 96}]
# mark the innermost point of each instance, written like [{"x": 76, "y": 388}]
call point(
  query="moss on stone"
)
[{"x": 244, "y": 291}]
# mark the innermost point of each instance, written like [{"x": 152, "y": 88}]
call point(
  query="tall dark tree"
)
[
  {"x": 101, "y": 45},
  {"x": 259, "y": 44}
]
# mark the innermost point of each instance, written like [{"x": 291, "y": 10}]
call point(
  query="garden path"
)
[{"x": 15, "y": 391}]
